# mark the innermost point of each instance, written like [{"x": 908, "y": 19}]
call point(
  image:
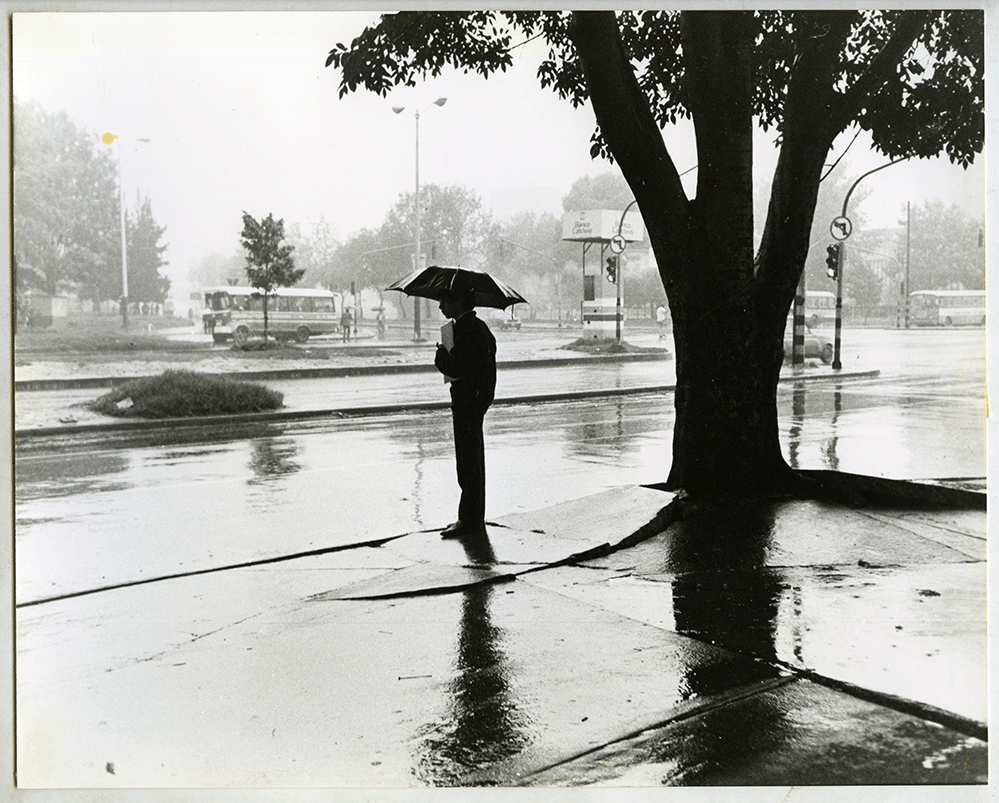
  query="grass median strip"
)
[{"x": 184, "y": 394}]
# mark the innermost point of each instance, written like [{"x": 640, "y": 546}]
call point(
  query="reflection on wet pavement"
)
[
  {"x": 800, "y": 734},
  {"x": 483, "y": 722}
]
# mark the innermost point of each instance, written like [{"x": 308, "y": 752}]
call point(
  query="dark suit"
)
[{"x": 472, "y": 364}]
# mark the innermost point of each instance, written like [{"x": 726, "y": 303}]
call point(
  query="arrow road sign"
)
[
  {"x": 617, "y": 244},
  {"x": 841, "y": 228}
]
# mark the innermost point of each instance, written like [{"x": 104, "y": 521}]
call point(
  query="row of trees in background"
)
[
  {"x": 67, "y": 232},
  {"x": 67, "y": 235},
  {"x": 526, "y": 249},
  {"x": 943, "y": 249}
]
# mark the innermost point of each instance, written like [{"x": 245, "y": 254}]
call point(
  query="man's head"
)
[{"x": 458, "y": 299}]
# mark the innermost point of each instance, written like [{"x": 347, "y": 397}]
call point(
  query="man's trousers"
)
[{"x": 470, "y": 461}]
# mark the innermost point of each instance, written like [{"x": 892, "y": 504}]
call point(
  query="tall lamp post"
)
[
  {"x": 418, "y": 264},
  {"x": 107, "y": 139}
]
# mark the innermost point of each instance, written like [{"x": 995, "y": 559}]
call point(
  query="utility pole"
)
[{"x": 906, "y": 299}]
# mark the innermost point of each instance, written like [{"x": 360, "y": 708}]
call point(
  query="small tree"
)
[{"x": 269, "y": 264}]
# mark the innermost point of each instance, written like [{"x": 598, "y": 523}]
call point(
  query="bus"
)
[
  {"x": 292, "y": 312},
  {"x": 947, "y": 307},
  {"x": 820, "y": 308}
]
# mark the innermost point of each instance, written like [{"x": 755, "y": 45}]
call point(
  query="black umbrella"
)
[{"x": 433, "y": 280}]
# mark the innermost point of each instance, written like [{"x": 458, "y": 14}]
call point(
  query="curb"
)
[
  {"x": 333, "y": 373},
  {"x": 384, "y": 409}
]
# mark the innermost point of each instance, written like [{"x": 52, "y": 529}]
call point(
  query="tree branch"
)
[
  {"x": 624, "y": 116},
  {"x": 912, "y": 24}
]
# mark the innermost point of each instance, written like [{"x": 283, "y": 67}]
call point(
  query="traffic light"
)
[
  {"x": 612, "y": 269},
  {"x": 832, "y": 261}
]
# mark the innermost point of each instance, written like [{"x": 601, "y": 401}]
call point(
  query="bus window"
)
[{"x": 322, "y": 304}]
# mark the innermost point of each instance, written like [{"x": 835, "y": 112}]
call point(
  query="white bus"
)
[
  {"x": 947, "y": 307},
  {"x": 820, "y": 308},
  {"x": 238, "y": 313}
]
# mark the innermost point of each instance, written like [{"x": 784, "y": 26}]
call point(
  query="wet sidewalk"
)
[{"x": 599, "y": 642}]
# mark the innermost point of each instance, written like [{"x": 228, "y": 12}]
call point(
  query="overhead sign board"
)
[{"x": 598, "y": 225}]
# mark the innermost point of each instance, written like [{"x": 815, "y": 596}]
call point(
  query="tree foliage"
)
[
  {"x": 944, "y": 249},
  {"x": 145, "y": 255},
  {"x": 914, "y": 80},
  {"x": 315, "y": 254},
  {"x": 66, "y": 222},
  {"x": 217, "y": 270},
  {"x": 607, "y": 190},
  {"x": 455, "y": 230},
  {"x": 269, "y": 263},
  {"x": 67, "y": 229}
]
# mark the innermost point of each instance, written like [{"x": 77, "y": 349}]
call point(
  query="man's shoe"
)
[
  {"x": 453, "y": 530},
  {"x": 460, "y": 528}
]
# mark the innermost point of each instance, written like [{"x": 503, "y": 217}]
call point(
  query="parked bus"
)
[
  {"x": 238, "y": 313},
  {"x": 947, "y": 307}
]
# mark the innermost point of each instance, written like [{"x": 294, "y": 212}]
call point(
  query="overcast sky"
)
[{"x": 241, "y": 114}]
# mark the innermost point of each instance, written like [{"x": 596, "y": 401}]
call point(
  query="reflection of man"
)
[{"x": 470, "y": 363}]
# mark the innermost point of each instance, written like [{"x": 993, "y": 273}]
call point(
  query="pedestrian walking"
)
[
  {"x": 661, "y": 320},
  {"x": 346, "y": 319},
  {"x": 467, "y": 358}
]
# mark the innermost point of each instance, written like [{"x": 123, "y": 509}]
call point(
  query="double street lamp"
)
[{"x": 418, "y": 262}]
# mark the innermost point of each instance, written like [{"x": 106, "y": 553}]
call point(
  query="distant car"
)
[
  {"x": 817, "y": 344},
  {"x": 504, "y": 319}
]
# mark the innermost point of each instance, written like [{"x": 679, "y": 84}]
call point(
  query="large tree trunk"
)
[
  {"x": 721, "y": 440},
  {"x": 727, "y": 325}
]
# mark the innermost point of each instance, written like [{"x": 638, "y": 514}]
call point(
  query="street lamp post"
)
[
  {"x": 418, "y": 262},
  {"x": 124, "y": 247},
  {"x": 108, "y": 139}
]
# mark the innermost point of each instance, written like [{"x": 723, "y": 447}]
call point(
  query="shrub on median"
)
[{"x": 181, "y": 394}]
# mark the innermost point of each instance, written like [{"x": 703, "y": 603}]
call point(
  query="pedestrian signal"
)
[
  {"x": 612, "y": 269},
  {"x": 832, "y": 261}
]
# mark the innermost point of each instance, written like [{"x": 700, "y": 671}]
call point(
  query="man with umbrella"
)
[
  {"x": 468, "y": 362},
  {"x": 470, "y": 366}
]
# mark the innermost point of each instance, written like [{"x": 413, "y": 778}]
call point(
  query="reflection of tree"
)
[
  {"x": 723, "y": 591},
  {"x": 829, "y": 445},
  {"x": 604, "y": 432},
  {"x": 483, "y": 724},
  {"x": 271, "y": 458},
  {"x": 724, "y": 594},
  {"x": 797, "y": 423}
]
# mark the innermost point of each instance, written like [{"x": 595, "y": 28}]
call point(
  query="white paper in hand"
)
[{"x": 447, "y": 341}]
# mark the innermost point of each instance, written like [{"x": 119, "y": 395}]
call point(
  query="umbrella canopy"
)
[{"x": 431, "y": 281}]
